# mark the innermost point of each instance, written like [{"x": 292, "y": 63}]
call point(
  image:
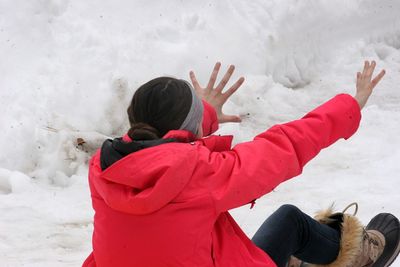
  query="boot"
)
[
  {"x": 375, "y": 246},
  {"x": 381, "y": 241}
]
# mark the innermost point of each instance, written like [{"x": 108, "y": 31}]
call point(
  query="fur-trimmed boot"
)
[{"x": 375, "y": 246}]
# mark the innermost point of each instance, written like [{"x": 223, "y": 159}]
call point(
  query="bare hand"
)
[
  {"x": 214, "y": 96},
  {"x": 365, "y": 85}
]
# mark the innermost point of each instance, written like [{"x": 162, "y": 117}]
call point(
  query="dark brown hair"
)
[{"x": 157, "y": 107}]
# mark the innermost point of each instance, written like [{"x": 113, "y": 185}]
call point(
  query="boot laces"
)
[{"x": 374, "y": 247}]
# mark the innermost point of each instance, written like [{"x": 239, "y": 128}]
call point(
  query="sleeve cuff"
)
[{"x": 210, "y": 120}]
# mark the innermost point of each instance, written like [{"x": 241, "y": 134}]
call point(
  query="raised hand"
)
[
  {"x": 365, "y": 85},
  {"x": 214, "y": 95}
]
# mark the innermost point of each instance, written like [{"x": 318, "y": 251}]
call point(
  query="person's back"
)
[
  {"x": 154, "y": 207},
  {"x": 157, "y": 223}
]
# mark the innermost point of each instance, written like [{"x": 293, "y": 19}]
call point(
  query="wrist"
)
[{"x": 361, "y": 99}]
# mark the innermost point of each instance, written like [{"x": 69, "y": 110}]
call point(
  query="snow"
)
[{"x": 69, "y": 68}]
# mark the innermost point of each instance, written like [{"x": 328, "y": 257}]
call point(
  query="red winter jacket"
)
[{"x": 167, "y": 205}]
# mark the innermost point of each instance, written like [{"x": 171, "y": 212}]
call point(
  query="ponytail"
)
[{"x": 143, "y": 131}]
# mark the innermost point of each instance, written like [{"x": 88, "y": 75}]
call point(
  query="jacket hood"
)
[
  {"x": 148, "y": 176},
  {"x": 114, "y": 150}
]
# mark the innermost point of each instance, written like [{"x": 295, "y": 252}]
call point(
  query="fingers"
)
[
  {"x": 213, "y": 76},
  {"x": 367, "y": 73},
  {"x": 226, "y": 78},
  {"x": 195, "y": 83},
  {"x": 366, "y": 66},
  {"x": 377, "y": 79},
  {"x": 368, "y": 69},
  {"x": 371, "y": 69},
  {"x": 230, "y": 118},
  {"x": 234, "y": 88}
]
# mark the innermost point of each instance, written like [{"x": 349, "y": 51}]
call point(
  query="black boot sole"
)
[{"x": 389, "y": 226}]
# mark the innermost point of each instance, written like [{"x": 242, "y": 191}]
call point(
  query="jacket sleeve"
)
[
  {"x": 254, "y": 168},
  {"x": 210, "y": 120}
]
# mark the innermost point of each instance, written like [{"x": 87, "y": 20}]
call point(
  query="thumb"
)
[{"x": 230, "y": 118}]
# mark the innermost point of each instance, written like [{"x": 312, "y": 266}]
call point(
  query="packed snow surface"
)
[{"x": 68, "y": 69}]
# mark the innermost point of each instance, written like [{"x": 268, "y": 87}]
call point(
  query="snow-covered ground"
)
[{"x": 68, "y": 68}]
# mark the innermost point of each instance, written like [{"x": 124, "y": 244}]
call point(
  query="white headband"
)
[{"x": 193, "y": 118}]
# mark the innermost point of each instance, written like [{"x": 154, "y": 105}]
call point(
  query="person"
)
[{"x": 162, "y": 192}]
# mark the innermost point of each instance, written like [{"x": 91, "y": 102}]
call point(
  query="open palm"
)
[{"x": 215, "y": 95}]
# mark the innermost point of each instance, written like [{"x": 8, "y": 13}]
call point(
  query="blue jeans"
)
[{"x": 289, "y": 231}]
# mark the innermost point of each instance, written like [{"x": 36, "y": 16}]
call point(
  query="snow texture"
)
[{"x": 69, "y": 68}]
